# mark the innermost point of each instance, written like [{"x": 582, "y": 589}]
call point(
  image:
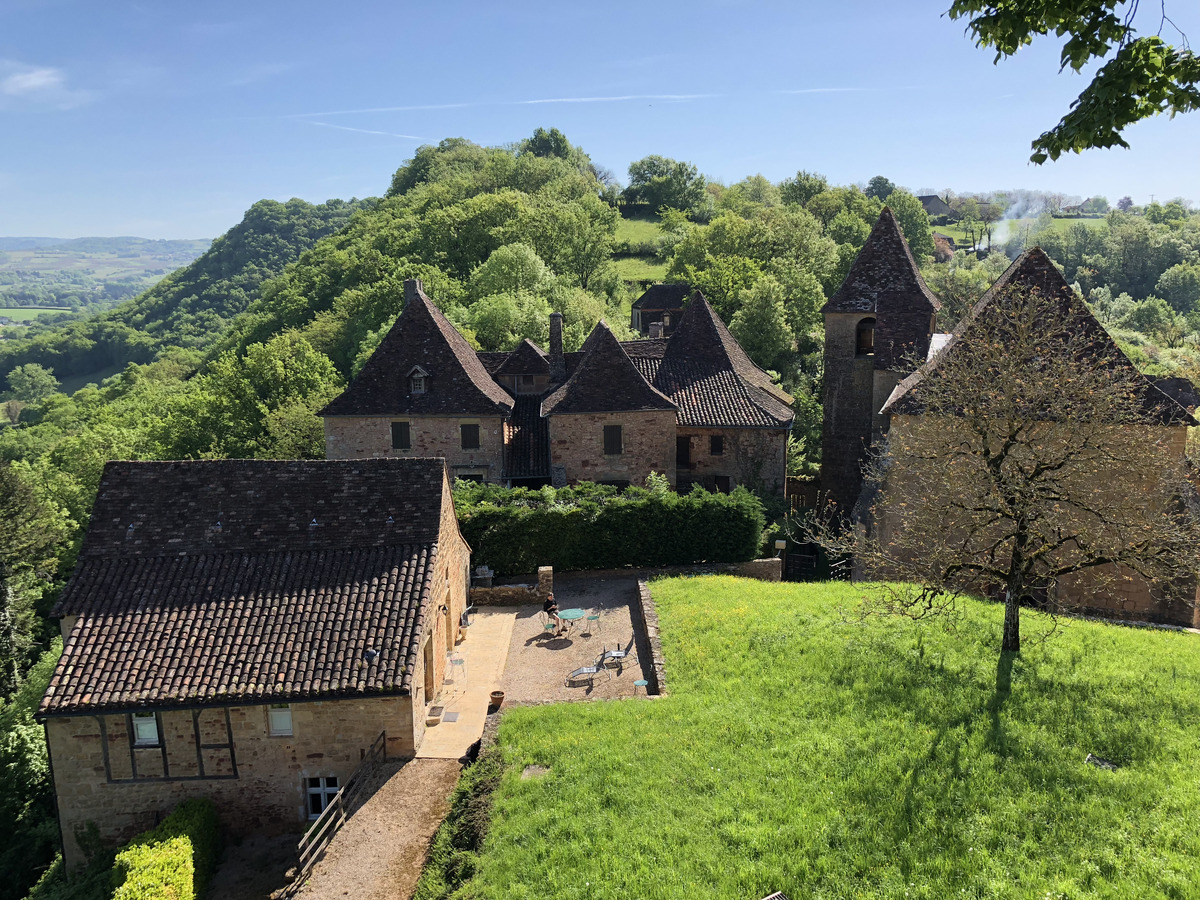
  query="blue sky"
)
[{"x": 168, "y": 120}]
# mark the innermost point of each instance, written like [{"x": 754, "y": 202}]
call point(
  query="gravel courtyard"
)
[{"x": 538, "y": 663}]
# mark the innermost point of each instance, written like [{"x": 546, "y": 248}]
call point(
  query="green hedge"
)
[
  {"x": 173, "y": 861},
  {"x": 592, "y": 526}
]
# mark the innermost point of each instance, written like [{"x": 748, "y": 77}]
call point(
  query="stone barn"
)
[{"x": 244, "y": 630}]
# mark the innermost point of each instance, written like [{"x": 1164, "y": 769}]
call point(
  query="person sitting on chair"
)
[{"x": 550, "y": 608}]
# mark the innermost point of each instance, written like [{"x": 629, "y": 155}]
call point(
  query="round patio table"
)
[{"x": 571, "y": 615}]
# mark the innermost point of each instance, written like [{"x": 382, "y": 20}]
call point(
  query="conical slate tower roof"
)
[
  {"x": 883, "y": 269},
  {"x": 1034, "y": 271},
  {"x": 712, "y": 380},
  {"x": 604, "y": 381},
  {"x": 422, "y": 338}
]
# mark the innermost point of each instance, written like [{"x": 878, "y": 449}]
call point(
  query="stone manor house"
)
[{"x": 691, "y": 406}]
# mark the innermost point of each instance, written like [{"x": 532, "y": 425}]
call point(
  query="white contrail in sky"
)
[{"x": 409, "y": 137}]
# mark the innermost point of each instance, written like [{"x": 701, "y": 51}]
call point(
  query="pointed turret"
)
[
  {"x": 707, "y": 373},
  {"x": 604, "y": 381},
  {"x": 422, "y": 367},
  {"x": 878, "y": 326}
]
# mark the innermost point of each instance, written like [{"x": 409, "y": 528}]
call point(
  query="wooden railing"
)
[{"x": 326, "y": 825}]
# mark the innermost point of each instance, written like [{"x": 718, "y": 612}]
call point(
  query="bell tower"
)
[{"x": 878, "y": 326}]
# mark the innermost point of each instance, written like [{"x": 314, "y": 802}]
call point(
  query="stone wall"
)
[
  {"x": 647, "y": 613},
  {"x": 1123, "y": 595},
  {"x": 753, "y": 457},
  {"x": 257, "y": 781},
  {"x": 577, "y": 446},
  {"x": 1105, "y": 590},
  {"x": 362, "y": 437},
  {"x": 848, "y": 416}
]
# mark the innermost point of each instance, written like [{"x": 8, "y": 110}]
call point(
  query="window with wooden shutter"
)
[
  {"x": 612, "y": 440},
  {"x": 470, "y": 436},
  {"x": 401, "y": 438}
]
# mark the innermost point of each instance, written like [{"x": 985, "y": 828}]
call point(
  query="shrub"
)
[
  {"x": 457, "y": 843},
  {"x": 173, "y": 861},
  {"x": 590, "y": 526}
]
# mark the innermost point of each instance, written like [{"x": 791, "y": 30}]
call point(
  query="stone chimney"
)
[
  {"x": 411, "y": 286},
  {"x": 558, "y": 364},
  {"x": 656, "y": 329}
]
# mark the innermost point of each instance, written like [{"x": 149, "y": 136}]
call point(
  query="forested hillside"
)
[
  {"x": 189, "y": 307},
  {"x": 232, "y": 355}
]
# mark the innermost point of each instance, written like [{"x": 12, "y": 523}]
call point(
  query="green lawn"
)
[{"x": 802, "y": 751}]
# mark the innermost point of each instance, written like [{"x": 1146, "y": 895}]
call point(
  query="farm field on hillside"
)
[
  {"x": 29, "y": 313},
  {"x": 803, "y": 751},
  {"x": 640, "y": 268},
  {"x": 642, "y": 230},
  {"x": 1013, "y": 226}
]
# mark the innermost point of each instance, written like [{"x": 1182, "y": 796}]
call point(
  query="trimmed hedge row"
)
[
  {"x": 173, "y": 861},
  {"x": 591, "y": 526}
]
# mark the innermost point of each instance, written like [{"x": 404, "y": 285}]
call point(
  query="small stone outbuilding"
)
[{"x": 244, "y": 630}]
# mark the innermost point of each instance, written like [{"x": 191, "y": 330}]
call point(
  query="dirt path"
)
[{"x": 379, "y": 852}]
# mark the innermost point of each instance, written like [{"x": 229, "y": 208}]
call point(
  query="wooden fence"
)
[{"x": 321, "y": 832}]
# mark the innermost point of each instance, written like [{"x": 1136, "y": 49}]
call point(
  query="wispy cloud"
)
[
  {"x": 825, "y": 90},
  {"x": 25, "y": 85},
  {"x": 622, "y": 98},
  {"x": 674, "y": 98},
  {"x": 378, "y": 109},
  {"x": 407, "y": 137}
]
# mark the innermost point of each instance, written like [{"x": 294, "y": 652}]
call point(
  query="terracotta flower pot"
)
[{"x": 497, "y": 699}]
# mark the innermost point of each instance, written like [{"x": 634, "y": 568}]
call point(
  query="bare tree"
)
[{"x": 1028, "y": 459}]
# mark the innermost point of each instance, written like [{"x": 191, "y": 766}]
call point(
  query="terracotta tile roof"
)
[
  {"x": 605, "y": 380},
  {"x": 884, "y": 269},
  {"x": 178, "y": 611},
  {"x": 242, "y": 627},
  {"x": 663, "y": 296},
  {"x": 712, "y": 380},
  {"x": 203, "y": 507},
  {"x": 458, "y": 382},
  {"x": 646, "y": 355},
  {"x": 1034, "y": 270},
  {"x": 527, "y": 440}
]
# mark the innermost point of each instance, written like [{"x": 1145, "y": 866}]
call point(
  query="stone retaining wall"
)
[{"x": 656, "y": 673}]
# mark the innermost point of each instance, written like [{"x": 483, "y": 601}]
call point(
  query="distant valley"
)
[{"x": 67, "y": 276}]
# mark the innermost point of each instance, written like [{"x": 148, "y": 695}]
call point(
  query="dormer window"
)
[
  {"x": 418, "y": 380},
  {"x": 865, "y": 338}
]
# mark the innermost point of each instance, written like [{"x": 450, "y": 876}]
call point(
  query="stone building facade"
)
[
  {"x": 1105, "y": 590},
  {"x": 245, "y": 630},
  {"x": 612, "y": 411}
]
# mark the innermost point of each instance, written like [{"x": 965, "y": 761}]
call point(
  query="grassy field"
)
[
  {"x": 639, "y": 231},
  {"x": 640, "y": 268},
  {"x": 29, "y": 313},
  {"x": 802, "y": 751},
  {"x": 1014, "y": 225}
]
